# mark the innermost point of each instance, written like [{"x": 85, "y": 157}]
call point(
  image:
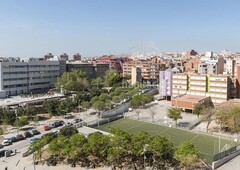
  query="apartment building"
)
[
  {"x": 149, "y": 69},
  {"x": 197, "y": 84},
  {"x": 92, "y": 70},
  {"x": 32, "y": 75},
  {"x": 136, "y": 75},
  {"x": 229, "y": 67},
  {"x": 180, "y": 84},
  {"x": 192, "y": 65},
  {"x": 219, "y": 88},
  {"x": 165, "y": 83},
  {"x": 215, "y": 86},
  {"x": 115, "y": 63},
  {"x": 211, "y": 66}
]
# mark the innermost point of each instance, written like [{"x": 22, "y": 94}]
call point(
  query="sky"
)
[{"x": 31, "y": 28}]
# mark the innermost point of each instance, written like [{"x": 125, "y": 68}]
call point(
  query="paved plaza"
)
[{"x": 159, "y": 109}]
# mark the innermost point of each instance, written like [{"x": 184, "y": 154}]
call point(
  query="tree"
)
[
  {"x": 22, "y": 121},
  {"x": 228, "y": 118},
  {"x": 97, "y": 82},
  {"x": 162, "y": 150},
  {"x": 138, "y": 141},
  {"x": 187, "y": 155},
  {"x": 86, "y": 105},
  {"x": 103, "y": 97},
  {"x": 99, "y": 105},
  {"x": 8, "y": 117},
  {"x": 68, "y": 131},
  {"x": 112, "y": 78},
  {"x": 75, "y": 147},
  {"x": 141, "y": 100},
  {"x": 66, "y": 106},
  {"x": 138, "y": 113},
  {"x": 119, "y": 146},
  {"x": 116, "y": 99},
  {"x": 97, "y": 145},
  {"x": 57, "y": 145},
  {"x": 51, "y": 107},
  {"x": 174, "y": 113},
  {"x": 37, "y": 148},
  {"x": 1, "y": 131},
  {"x": 152, "y": 113},
  {"x": 73, "y": 81},
  {"x": 197, "y": 109}
]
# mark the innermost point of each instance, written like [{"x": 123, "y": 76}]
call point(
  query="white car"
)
[{"x": 6, "y": 142}]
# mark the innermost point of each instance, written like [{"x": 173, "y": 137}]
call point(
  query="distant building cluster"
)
[{"x": 209, "y": 75}]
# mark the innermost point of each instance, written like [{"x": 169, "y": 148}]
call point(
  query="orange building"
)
[{"x": 192, "y": 65}]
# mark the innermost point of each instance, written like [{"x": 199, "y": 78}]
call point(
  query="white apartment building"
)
[
  {"x": 229, "y": 67},
  {"x": 219, "y": 88},
  {"x": 211, "y": 65},
  {"x": 179, "y": 84},
  {"x": 198, "y": 85},
  {"x": 215, "y": 86},
  {"x": 32, "y": 75}
]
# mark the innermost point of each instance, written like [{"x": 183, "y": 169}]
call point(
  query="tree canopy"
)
[
  {"x": 112, "y": 78},
  {"x": 141, "y": 100},
  {"x": 228, "y": 118},
  {"x": 187, "y": 155},
  {"x": 72, "y": 81},
  {"x": 174, "y": 113}
]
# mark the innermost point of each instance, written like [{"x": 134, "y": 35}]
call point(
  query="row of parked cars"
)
[
  {"x": 19, "y": 137},
  {"x": 59, "y": 123},
  {"x": 55, "y": 124}
]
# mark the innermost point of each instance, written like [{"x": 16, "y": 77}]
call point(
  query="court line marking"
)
[{"x": 194, "y": 137}]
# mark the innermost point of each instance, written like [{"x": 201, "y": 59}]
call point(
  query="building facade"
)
[
  {"x": 215, "y": 86},
  {"x": 92, "y": 70},
  {"x": 180, "y": 84},
  {"x": 165, "y": 83},
  {"x": 149, "y": 69},
  {"x": 136, "y": 76},
  {"x": 33, "y": 75}
]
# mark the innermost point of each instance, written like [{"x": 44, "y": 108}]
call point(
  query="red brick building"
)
[
  {"x": 187, "y": 102},
  {"x": 114, "y": 62}
]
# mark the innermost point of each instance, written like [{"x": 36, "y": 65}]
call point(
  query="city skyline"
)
[{"x": 93, "y": 28}]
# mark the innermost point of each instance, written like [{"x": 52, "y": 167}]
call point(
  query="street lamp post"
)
[{"x": 17, "y": 121}]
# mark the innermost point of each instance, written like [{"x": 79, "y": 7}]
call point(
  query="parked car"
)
[
  {"x": 56, "y": 131},
  {"x": 33, "y": 139},
  {"x": 68, "y": 116},
  {"x": 68, "y": 124},
  {"x": 2, "y": 153},
  {"x": 13, "y": 139},
  {"x": 6, "y": 142},
  {"x": 51, "y": 125},
  {"x": 1, "y": 146},
  {"x": 77, "y": 120},
  {"x": 27, "y": 134},
  {"x": 57, "y": 123},
  {"x": 20, "y": 137},
  {"x": 35, "y": 132},
  {"x": 46, "y": 127},
  {"x": 61, "y": 122}
]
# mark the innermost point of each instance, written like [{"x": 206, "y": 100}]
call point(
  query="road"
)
[{"x": 116, "y": 111}]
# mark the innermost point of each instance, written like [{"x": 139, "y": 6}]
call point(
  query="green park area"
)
[{"x": 207, "y": 145}]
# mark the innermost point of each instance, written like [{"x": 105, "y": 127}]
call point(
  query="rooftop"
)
[{"x": 191, "y": 98}]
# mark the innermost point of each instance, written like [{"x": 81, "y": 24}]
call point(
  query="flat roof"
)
[
  {"x": 191, "y": 98},
  {"x": 15, "y": 100}
]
